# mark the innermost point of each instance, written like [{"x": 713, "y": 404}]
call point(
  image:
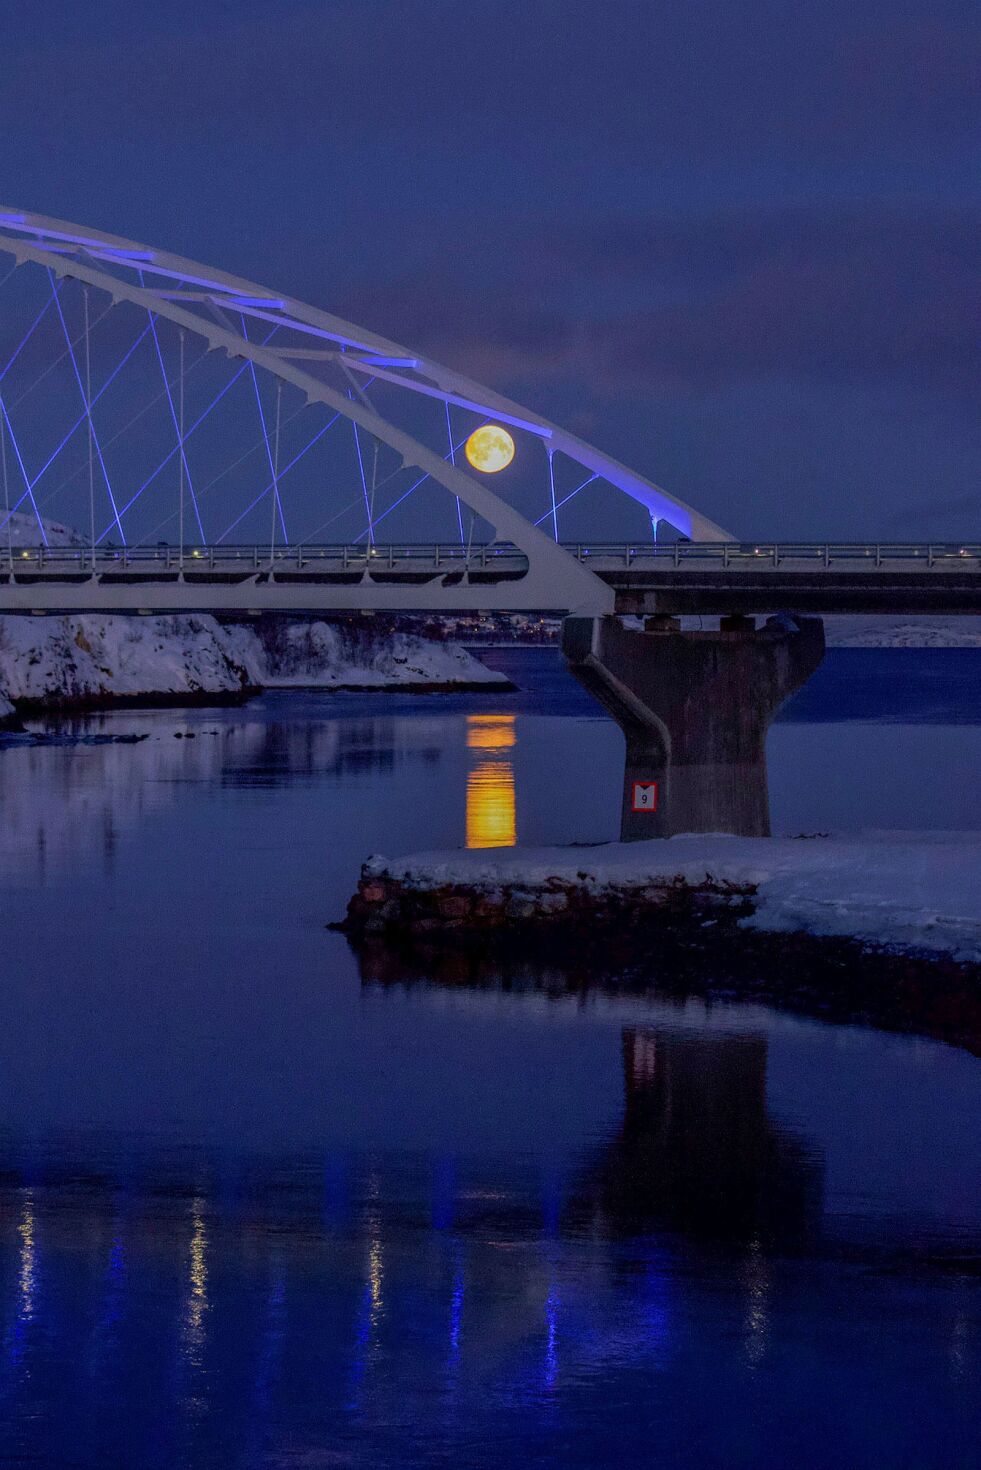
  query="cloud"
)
[
  {"x": 861, "y": 293},
  {"x": 865, "y": 293},
  {"x": 496, "y": 334}
]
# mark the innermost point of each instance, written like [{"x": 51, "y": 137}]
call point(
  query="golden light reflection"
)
[
  {"x": 491, "y": 813},
  {"x": 376, "y": 1271},
  {"x": 490, "y": 449},
  {"x": 197, "y": 1301},
  {"x": 28, "y": 1264},
  {"x": 490, "y": 732},
  {"x": 371, "y": 1311},
  {"x": 490, "y": 806},
  {"x": 375, "y": 1279}
]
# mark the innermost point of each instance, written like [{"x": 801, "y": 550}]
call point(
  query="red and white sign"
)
[{"x": 644, "y": 796}]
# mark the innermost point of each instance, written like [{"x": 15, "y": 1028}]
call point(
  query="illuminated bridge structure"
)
[
  {"x": 146, "y": 398},
  {"x": 220, "y": 446},
  {"x": 217, "y": 446},
  {"x": 680, "y": 578}
]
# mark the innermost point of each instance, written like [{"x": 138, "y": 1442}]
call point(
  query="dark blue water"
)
[{"x": 258, "y": 1210}]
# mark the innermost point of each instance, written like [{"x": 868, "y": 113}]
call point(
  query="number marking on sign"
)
[{"x": 645, "y": 796}]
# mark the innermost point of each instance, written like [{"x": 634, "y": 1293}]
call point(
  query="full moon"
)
[{"x": 490, "y": 449}]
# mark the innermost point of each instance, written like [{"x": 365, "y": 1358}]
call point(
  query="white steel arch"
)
[{"x": 200, "y": 300}]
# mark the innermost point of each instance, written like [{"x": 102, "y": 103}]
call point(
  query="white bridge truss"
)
[{"x": 111, "y": 387}]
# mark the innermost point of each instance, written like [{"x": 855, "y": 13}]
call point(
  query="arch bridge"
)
[
  {"x": 220, "y": 446},
  {"x": 178, "y": 415},
  {"x": 215, "y": 445}
]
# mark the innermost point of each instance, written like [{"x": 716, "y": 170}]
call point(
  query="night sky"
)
[{"x": 734, "y": 245}]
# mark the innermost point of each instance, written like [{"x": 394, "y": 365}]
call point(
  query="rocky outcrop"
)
[
  {"x": 904, "y": 890},
  {"x": 389, "y": 906},
  {"x": 88, "y": 661},
  {"x": 426, "y": 920},
  {"x": 362, "y": 654}
]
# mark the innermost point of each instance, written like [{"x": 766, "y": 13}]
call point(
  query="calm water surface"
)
[{"x": 256, "y": 1210}]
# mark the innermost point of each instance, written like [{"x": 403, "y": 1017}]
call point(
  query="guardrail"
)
[
  {"x": 257, "y": 558},
  {"x": 604, "y": 556},
  {"x": 808, "y": 554}
]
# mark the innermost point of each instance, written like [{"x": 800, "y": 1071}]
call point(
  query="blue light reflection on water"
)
[{"x": 255, "y": 1213}]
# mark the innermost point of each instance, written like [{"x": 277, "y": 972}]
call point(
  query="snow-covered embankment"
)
[
  {"x": 88, "y": 660},
  {"x": 353, "y": 655},
  {"x": 70, "y": 662},
  {"x": 882, "y": 631},
  {"x": 909, "y": 891}
]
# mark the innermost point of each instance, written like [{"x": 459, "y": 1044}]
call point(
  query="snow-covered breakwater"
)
[
  {"x": 89, "y": 660},
  {"x": 914, "y": 892}
]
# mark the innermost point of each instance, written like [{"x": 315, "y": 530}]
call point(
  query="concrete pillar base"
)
[{"x": 695, "y": 709}]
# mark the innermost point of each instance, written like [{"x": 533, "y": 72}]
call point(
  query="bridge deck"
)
[{"x": 683, "y": 577}]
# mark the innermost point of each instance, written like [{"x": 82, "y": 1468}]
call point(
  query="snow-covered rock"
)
[
  {"x": 6, "y": 710},
  {"x": 87, "y": 658},
  {"x": 92, "y": 659},
  {"x": 350, "y": 656},
  {"x": 879, "y": 631},
  {"x": 913, "y": 891},
  {"x": 22, "y": 530}
]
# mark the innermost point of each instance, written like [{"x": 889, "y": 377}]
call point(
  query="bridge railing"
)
[
  {"x": 167, "y": 557},
  {"x": 808, "y": 555},
  {"x": 604, "y": 556}
]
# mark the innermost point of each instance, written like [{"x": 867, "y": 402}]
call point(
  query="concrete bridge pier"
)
[{"x": 695, "y": 708}]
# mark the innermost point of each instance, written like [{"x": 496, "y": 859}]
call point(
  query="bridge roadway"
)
[{"x": 677, "y": 578}]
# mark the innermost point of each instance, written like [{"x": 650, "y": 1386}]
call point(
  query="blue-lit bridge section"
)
[
  {"x": 683, "y": 577},
  {"x": 156, "y": 413}
]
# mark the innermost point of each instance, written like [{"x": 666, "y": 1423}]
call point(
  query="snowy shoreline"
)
[
  {"x": 88, "y": 661},
  {"x": 911, "y": 893},
  {"x": 880, "y": 630}
]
